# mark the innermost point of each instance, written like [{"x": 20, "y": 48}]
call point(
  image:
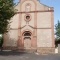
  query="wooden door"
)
[{"x": 27, "y": 42}]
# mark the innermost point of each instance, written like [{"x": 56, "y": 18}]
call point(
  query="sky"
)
[{"x": 52, "y": 3}]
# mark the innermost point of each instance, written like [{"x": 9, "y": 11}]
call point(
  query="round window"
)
[{"x": 27, "y": 18}]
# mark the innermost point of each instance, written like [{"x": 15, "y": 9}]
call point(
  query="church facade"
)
[{"x": 31, "y": 28}]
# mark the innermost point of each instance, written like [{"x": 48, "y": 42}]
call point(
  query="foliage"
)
[
  {"x": 57, "y": 28},
  {"x": 6, "y": 12}
]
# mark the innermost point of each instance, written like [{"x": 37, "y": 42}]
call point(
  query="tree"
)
[
  {"x": 57, "y": 28},
  {"x": 6, "y": 12}
]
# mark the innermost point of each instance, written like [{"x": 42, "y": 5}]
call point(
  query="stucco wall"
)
[
  {"x": 44, "y": 33},
  {"x": 14, "y": 21},
  {"x": 41, "y": 7},
  {"x": 44, "y": 38},
  {"x": 44, "y": 20},
  {"x": 10, "y": 39}
]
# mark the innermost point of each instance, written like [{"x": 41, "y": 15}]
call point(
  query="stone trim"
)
[
  {"x": 29, "y": 26},
  {"x": 52, "y": 26},
  {"x": 35, "y": 11}
]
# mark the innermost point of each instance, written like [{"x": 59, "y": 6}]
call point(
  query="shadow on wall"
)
[{"x": 9, "y": 41}]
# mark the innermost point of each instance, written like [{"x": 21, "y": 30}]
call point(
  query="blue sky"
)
[{"x": 52, "y": 3}]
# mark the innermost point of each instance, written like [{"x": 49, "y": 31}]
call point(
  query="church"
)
[{"x": 31, "y": 28}]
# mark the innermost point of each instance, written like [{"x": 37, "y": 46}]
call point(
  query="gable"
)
[
  {"x": 43, "y": 7},
  {"x": 35, "y": 6}
]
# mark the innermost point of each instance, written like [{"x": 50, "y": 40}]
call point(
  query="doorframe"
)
[{"x": 30, "y": 37}]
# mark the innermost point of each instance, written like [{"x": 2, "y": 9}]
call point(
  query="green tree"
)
[
  {"x": 57, "y": 28},
  {"x": 6, "y": 12}
]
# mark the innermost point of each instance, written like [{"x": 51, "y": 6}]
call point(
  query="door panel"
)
[{"x": 27, "y": 43}]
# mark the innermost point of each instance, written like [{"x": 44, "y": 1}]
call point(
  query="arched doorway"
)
[{"x": 27, "y": 39}]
